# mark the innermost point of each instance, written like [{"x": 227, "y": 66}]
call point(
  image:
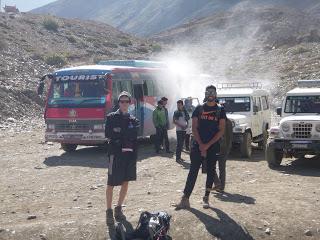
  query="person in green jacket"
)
[{"x": 160, "y": 123}]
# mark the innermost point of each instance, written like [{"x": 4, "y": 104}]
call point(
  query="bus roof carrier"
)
[
  {"x": 254, "y": 85},
  {"x": 315, "y": 83}
]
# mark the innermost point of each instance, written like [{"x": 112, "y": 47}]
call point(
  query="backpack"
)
[{"x": 151, "y": 226}]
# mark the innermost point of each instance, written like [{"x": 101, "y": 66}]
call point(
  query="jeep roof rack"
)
[
  {"x": 314, "y": 83},
  {"x": 254, "y": 85}
]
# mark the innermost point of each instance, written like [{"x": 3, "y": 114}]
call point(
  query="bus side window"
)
[{"x": 149, "y": 88}]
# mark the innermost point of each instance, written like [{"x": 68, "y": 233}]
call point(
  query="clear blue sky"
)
[{"x": 26, "y": 5}]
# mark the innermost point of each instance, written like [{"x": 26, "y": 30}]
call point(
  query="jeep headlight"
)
[
  {"x": 98, "y": 126},
  {"x": 318, "y": 127},
  {"x": 285, "y": 127}
]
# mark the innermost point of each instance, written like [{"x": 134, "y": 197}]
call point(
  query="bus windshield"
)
[
  {"x": 302, "y": 104},
  {"x": 77, "y": 94},
  {"x": 235, "y": 104}
]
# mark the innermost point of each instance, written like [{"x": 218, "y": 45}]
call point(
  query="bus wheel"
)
[{"x": 69, "y": 147}]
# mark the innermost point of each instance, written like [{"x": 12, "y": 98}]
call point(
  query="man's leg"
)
[
  {"x": 222, "y": 171},
  {"x": 157, "y": 140},
  {"x": 180, "y": 139},
  {"x": 118, "y": 214},
  {"x": 123, "y": 193},
  {"x": 166, "y": 140},
  {"x": 211, "y": 163},
  {"x": 195, "y": 157},
  {"x": 187, "y": 142},
  {"x": 109, "y": 212}
]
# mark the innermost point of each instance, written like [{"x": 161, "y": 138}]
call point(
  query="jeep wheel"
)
[
  {"x": 262, "y": 144},
  {"x": 245, "y": 146},
  {"x": 69, "y": 147},
  {"x": 273, "y": 156}
]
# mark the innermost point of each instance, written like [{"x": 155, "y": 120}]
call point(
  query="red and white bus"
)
[{"x": 79, "y": 98}]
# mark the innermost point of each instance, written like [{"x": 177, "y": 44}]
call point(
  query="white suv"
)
[
  {"x": 247, "y": 105},
  {"x": 298, "y": 132}
]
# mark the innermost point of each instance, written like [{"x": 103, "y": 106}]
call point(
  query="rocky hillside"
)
[
  {"x": 32, "y": 45},
  {"x": 274, "y": 45},
  {"x": 147, "y": 17}
]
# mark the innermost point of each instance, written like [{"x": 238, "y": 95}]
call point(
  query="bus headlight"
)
[
  {"x": 51, "y": 126},
  {"x": 318, "y": 127},
  {"x": 98, "y": 126},
  {"x": 285, "y": 127}
]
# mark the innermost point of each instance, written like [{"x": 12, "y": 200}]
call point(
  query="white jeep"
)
[
  {"x": 247, "y": 106},
  {"x": 298, "y": 133}
]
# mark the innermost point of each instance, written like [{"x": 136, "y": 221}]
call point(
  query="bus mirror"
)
[
  {"x": 279, "y": 111},
  {"x": 255, "y": 109}
]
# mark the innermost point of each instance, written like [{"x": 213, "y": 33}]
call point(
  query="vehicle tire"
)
[
  {"x": 245, "y": 146},
  {"x": 262, "y": 144},
  {"x": 273, "y": 156},
  {"x": 69, "y": 147}
]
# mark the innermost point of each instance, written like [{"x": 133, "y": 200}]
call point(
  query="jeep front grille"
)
[
  {"x": 72, "y": 127},
  {"x": 302, "y": 130}
]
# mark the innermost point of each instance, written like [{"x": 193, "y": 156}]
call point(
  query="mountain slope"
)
[
  {"x": 32, "y": 45},
  {"x": 147, "y": 17}
]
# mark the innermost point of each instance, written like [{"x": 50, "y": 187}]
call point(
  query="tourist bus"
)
[{"x": 79, "y": 98}]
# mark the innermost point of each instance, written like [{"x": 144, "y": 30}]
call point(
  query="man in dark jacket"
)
[{"x": 121, "y": 129}]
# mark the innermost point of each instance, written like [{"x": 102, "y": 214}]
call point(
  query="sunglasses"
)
[{"x": 124, "y": 101}]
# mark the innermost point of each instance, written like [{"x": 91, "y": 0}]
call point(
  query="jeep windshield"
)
[
  {"x": 302, "y": 104},
  {"x": 77, "y": 94},
  {"x": 235, "y": 104}
]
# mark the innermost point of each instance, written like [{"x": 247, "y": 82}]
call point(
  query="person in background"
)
[
  {"x": 180, "y": 119},
  {"x": 122, "y": 132},
  {"x": 165, "y": 131},
  {"x": 189, "y": 108},
  {"x": 208, "y": 124},
  {"x": 160, "y": 124}
]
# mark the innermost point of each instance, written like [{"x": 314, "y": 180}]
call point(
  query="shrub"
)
[
  {"x": 156, "y": 48},
  {"x": 72, "y": 39},
  {"x": 143, "y": 50},
  {"x": 125, "y": 43},
  {"x": 50, "y": 24},
  {"x": 56, "y": 60}
]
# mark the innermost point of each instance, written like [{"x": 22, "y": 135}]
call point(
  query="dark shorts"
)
[{"x": 122, "y": 168}]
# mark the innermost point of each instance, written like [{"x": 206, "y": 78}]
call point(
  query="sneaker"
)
[
  {"x": 118, "y": 214},
  {"x": 183, "y": 204},
  {"x": 109, "y": 217},
  {"x": 205, "y": 202}
]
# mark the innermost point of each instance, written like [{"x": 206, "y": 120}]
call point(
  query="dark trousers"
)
[
  {"x": 222, "y": 170},
  {"x": 187, "y": 142},
  {"x": 196, "y": 160},
  {"x": 161, "y": 134},
  {"x": 180, "y": 141}
]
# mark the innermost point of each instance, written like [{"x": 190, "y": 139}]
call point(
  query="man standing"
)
[
  {"x": 180, "y": 119},
  {"x": 159, "y": 122},
  {"x": 208, "y": 124},
  {"x": 189, "y": 108},
  {"x": 165, "y": 131},
  {"x": 122, "y": 131}
]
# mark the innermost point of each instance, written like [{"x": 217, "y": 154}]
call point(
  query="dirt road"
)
[{"x": 64, "y": 194}]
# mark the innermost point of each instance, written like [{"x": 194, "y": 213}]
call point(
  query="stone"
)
[
  {"x": 30, "y": 217},
  {"x": 268, "y": 231},
  {"x": 308, "y": 233},
  {"x": 43, "y": 237},
  {"x": 11, "y": 120}
]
